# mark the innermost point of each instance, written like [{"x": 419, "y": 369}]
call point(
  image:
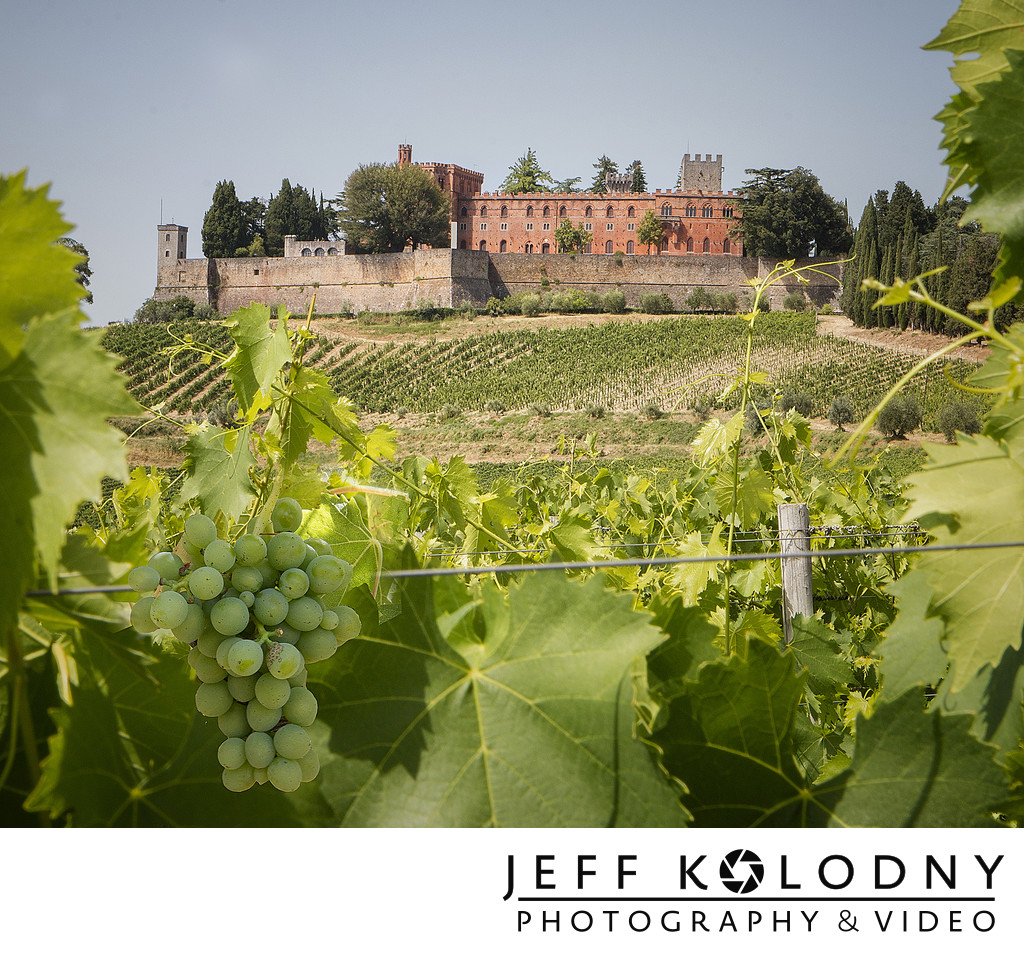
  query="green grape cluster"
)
[{"x": 253, "y": 613}]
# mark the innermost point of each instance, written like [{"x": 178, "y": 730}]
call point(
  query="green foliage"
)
[
  {"x": 787, "y": 214},
  {"x": 386, "y": 208},
  {"x": 902, "y": 415},
  {"x": 531, "y": 305},
  {"x": 959, "y": 417},
  {"x": 649, "y": 230},
  {"x": 223, "y": 229},
  {"x": 152, "y": 311},
  {"x": 526, "y": 175},
  {"x": 659, "y": 303},
  {"x": 794, "y": 301},
  {"x": 840, "y": 411},
  {"x": 570, "y": 237},
  {"x": 614, "y": 302},
  {"x": 603, "y": 168},
  {"x": 638, "y": 181},
  {"x": 799, "y": 401},
  {"x": 82, "y": 269}
]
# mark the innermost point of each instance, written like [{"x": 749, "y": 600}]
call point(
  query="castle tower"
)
[
  {"x": 702, "y": 175},
  {"x": 405, "y": 154},
  {"x": 171, "y": 244}
]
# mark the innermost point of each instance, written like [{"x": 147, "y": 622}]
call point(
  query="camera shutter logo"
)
[{"x": 741, "y": 871}]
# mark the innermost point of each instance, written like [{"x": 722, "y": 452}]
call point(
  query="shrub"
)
[
  {"x": 530, "y": 305},
  {"x": 702, "y": 409},
  {"x": 699, "y": 299},
  {"x": 449, "y": 412},
  {"x": 160, "y": 312},
  {"x": 615, "y": 302},
  {"x": 959, "y": 417},
  {"x": 826, "y": 309},
  {"x": 205, "y": 312},
  {"x": 540, "y": 409},
  {"x": 794, "y": 301},
  {"x": 755, "y": 421},
  {"x": 495, "y": 407},
  {"x": 597, "y": 411},
  {"x": 656, "y": 304},
  {"x": 899, "y": 417},
  {"x": 223, "y": 413},
  {"x": 801, "y": 402},
  {"x": 653, "y": 412},
  {"x": 400, "y": 411},
  {"x": 840, "y": 411}
]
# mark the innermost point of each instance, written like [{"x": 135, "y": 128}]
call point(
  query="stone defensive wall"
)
[{"x": 453, "y": 277}]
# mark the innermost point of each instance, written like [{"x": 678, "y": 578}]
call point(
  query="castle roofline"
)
[{"x": 598, "y": 196}]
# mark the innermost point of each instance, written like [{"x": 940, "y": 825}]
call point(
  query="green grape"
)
[
  {"x": 209, "y": 643},
  {"x": 349, "y": 624},
  {"x": 238, "y": 779},
  {"x": 140, "y": 618},
  {"x": 269, "y": 574},
  {"x": 194, "y": 554},
  {"x": 206, "y": 669},
  {"x": 233, "y": 723},
  {"x": 259, "y": 749},
  {"x": 284, "y": 774},
  {"x": 287, "y": 515},
  {"x": 169, "y": 609},
  {"x": 167, "y": 564},
  {"x": 293, "y": 583},
  {"x": 223, "y": 648},
  {"x": 309, "y": 764},
  {"x": 247, "y": 597},
  {"x": 285, "y": 633},
  {"x": 219, "y": 554},
  {"x": 229, "y": 617},
  {"x": 205, "y": 583},
  {"x": 194, "y": 625},
  {"x": 317, "y": 645},
  {"x": 246, "y": 578},
  {"x": 320, "y": 546},
  {"x": 301, "y": 707},
  {"x": 250, "y": 550},
  {"x": 299, "y": 679},
  {"x": 272, "y": 692},
  {"x": 327, "y": 573},
  {"x": 304, "y": 613},
  {"x": 260, "y": 774},
  {"x": 244, "y": 657},
  {"x": 200, "y": 530},
  {"x": 311, "y": 554},
  {"x": 284, "y": 660},
  {"x": 330, "y": 620},
  {"x": 231, "y": 753},
  {"x": 144, "y": 579},
  {"x": 286, "y": 550},
  {"x": 213, "y": 699},
  {"x": 260, "y": 717},
  {"x": 270, "y": 607},
  {"x": 230, "y": 593},
  {"x": 291, "y": 742},
  {"x": 242, "y": 687}
]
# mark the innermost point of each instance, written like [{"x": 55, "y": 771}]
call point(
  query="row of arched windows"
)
[
  {"x": 318, "y": 252},
  {"x": 707, "y": 211},
  {"x": 609, "y": 247}
]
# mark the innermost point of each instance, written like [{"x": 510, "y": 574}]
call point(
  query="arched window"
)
[
  {"x": 707, "y": 245},
  {"x": 483, "y": 244},
  {"x": 631, "y": 212},
  {"x": 629, "y": 247},
  {"x": 588, "y": 211},
  {"x": 332, "y": 250},
  {"x": 529, "y": 248},
  {"x": 691, "y": 211},
  {"x": 545, "y": 248},
  {"x": 504, "y": 211},
  {"x": 726, "y": 247},
  {"x": 306, "y": 252},
  {"x": 689, "y": 244},
  {"x": 608, "y": 212},
  {"x": 462, "y": 211},
  {"x": 608, "y": 247},
  {"x": 707, "y": 211},
  {"x": 561, "y": 211},
  {"x": 503, "y": 245},
  {"x": 664, "y": 244},
  {"x": 529, "y": 211},
  {"x": 666, "y": 210},
  {"x": 319, "y": 253},
  {"x": 727, "y": 212},
  {"x": 547, "y": 211},
  {"x": 483, "y": 210}
]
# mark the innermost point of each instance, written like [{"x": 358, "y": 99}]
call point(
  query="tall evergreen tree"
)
[
  {"x": 279, "y": 221},
  {"x": 604, "y": 167},
  {"x": 223, "y": 230},
  {"x": 856, "y": 271},
  {"x": 526, "y": 175},
  {"x": 638, "y": 181}
]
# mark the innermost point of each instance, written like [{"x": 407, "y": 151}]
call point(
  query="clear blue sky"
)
[{"x": 125, "y": 105}]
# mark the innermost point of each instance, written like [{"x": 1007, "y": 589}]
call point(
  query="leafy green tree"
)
[
  {"x": 526, "y": 175},
  {"x": 638, "y": 181},
  {"x": 223, "y": 229},
  {"x": 387, "y": 208},
  {"x": 570, "y": 237},
  {"x": 787, "y": 214},
  {"x": 294, "y": 211},
  {"x": 82, "y": 269},
  {"x": 649, "y": 230},
  {"x": 567, "y": 185},
  {"x": 604, "y": 167}
]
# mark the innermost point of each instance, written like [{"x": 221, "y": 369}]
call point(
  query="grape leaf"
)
[
  {"x": 979, "y": 594},
  {"x": 37, "y": 274},
  {"x": 132, "y": 751},
  {"x": 912, "y": 652},
  {"x": 217, "y": 465},
  {"x": 55, "y": 398},
  {"x": 523, "y": 727},
  {"x": 729, "y": 738},
  {"x": 932, "y": 770},
  {"x": 815, "y": 648},
  {"x": 260, "y": 354},
  {"x": 342, "y": 527}
]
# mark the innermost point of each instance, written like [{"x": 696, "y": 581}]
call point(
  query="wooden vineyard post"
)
[{"x": 797, "y": 588}]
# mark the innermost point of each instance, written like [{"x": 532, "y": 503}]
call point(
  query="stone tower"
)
[
  {"x": 701, "y": 174},
  {"x": 171, "y": 244}
]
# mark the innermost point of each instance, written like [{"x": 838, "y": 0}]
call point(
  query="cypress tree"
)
[
  {"x": 280, "y": 220},
  {"x": 223, "y": 229}
]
